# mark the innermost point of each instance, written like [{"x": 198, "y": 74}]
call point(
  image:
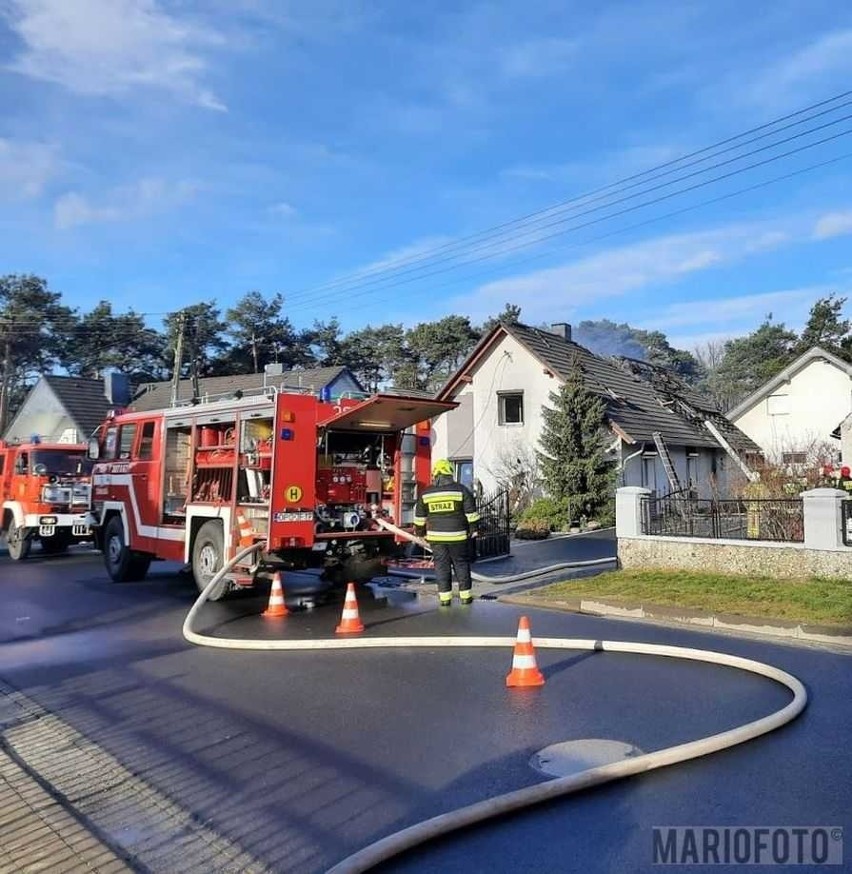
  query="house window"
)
[
  {"x": 510, "y": 410},
  {"x": 128, "y": 433},
  {"x": 691, "y": 468},
  {"x": 146, "y": 442},
  {"x": 649, "y": 472},
  {"x": 778, "y": 405},
  {"x": 464, "y": 471},
  {"x": 794, "y": 457}
]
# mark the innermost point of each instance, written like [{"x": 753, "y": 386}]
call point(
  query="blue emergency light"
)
[{"x": 286, "y": 433}]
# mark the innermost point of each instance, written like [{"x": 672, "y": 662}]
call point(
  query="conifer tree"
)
[{"x": 574, "y": 439}]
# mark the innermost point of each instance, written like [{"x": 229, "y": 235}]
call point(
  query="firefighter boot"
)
[
  {"x": 466, "y": 597},
  {"x": 445, "y": 599}
]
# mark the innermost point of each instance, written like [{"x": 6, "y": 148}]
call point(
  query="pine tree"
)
[{"x": 574, "y": 439}]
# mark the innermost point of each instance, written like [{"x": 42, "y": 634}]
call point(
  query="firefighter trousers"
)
[{"x": 451, "y": 557}]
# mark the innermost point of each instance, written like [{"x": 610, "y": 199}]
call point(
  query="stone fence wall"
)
[{"x": 822, "y": 554}]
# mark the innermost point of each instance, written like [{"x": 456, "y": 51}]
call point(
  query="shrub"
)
[
  {"x": 534, "y": 529},
  {"x": 552, "y": 512}
]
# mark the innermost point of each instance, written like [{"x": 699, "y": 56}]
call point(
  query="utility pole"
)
[
  {"x": 254, "y": 350},
  {"x": 178, "y": 357},
  {"x": 193, "y": 369},
  {"x": 5, "y": 385}
]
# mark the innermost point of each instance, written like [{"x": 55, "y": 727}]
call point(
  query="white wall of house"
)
[
  {"x": 801, "y": 413},
  {"x": 474, "y": 431},
  {"x": 42, "y": 414},
  {"x": 508, "y": 369}
]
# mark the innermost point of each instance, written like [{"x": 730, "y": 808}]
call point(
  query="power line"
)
[
  {"x": 391, "y": 275},
  {"x": 673, "y": 213},
  {"x": 577, "y": 201},
  {"x": 393, "y": 281}
]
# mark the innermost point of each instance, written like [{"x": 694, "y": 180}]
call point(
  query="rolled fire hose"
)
[
  {"x": 499, "y": 805},
  {"x": 484, "y": 578}
]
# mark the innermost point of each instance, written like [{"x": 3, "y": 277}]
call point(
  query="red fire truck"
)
[
  {"x": 305, "y": 476},
  {"x": 44, "y": 491}
]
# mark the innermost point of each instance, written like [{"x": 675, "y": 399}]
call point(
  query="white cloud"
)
[
  {"x": 283, "y": 210},
  {"x": 833, "y": 224},
  {"x": 112, "y": 47},
  {"x": 811, "y": 69},
  {"x": 604, "y": 168},
  {"x": 128, "y": 203},
  {"x": 786, "y": 304},
  {"x": 403, "y": 256},
  {"x": 26, "y": 168},
  {"x": 559, "y": 291}
]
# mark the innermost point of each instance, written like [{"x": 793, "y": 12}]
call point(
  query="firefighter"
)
[{"x": 446, "y": 513}]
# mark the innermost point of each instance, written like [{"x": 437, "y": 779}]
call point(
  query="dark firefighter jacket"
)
[{"x": 445, "y": 511}]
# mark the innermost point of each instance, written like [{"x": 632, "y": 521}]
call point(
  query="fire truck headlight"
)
[{"x": 52, "y": 495}]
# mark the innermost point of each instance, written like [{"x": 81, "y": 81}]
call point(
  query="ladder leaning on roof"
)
[
  {"x": 751, "y": 476},
  {"x": 666, "y": 458}
]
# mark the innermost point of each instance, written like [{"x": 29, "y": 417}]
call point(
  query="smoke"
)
[{"x": 606, "y": 338}]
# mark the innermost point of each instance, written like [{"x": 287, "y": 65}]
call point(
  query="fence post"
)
[
  {"x": 822, "y": 510},
  {"x": 628, "y": 510}
]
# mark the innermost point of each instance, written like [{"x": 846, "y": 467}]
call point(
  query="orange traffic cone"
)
[
  {"x": 246, "y": 531},
  {"x": 350, "y": 621},
  {"x": 276, "y": 607},
  {"x": 524, "y": 671}
]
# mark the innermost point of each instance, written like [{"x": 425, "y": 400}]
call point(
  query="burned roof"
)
[{"x": 641, "y": 399}]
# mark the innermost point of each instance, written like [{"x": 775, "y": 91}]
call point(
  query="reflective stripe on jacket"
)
[{"x": 445, "y": 511}]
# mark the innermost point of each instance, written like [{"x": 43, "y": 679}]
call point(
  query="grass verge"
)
[{"x": 820, "y": 601}]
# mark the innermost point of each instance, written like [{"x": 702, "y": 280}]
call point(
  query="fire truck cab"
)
[
  {"x": 304, "y": 476},
  {"x": 45, "y": 492}
]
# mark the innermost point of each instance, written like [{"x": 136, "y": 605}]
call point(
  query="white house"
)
[
  {"x": 794, "y": 413},
  {"x": 507, "y": 379},
  {"x": 60, "y": 409}
]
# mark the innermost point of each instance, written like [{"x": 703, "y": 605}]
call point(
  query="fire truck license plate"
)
[{"x": 293, "y": 517}]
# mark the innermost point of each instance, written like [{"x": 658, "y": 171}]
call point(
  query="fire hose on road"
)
[
  {"x": 483, "y": 578},
  {"x": 438, "y": 826}
]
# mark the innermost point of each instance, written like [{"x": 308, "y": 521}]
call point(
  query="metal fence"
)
[
  {"x": 494, "y": 520},
  {"x": 778, "y": 519}
]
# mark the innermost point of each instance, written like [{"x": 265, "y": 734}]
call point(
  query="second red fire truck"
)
[
  {"x": 306, "y": 477},
  {"x": 44, "y": 496}
]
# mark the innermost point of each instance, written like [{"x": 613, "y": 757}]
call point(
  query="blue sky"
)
[{"x": 161, "y": 152}]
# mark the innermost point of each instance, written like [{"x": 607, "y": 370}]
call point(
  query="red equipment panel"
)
[{"x": 294, "y": 471}]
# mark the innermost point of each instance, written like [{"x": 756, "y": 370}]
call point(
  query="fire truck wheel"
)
[
  {"x": 122, "y": 564},
  {"x": 18, "y": 542},
  {"x": 208, "y": 556}
]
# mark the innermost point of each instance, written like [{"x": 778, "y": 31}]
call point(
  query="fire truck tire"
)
[
  {"x": 208, "y": 557},
  {"x": 122, "y": 564},
  {"x": 18, "y": 542}
]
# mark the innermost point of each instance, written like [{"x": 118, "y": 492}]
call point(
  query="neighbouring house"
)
[
  {"x": 794, "y": 416},
  {"x": 657, "y": 421},
  {"x": 61, "y": 409},
  {"x": 334, "y": 382}
]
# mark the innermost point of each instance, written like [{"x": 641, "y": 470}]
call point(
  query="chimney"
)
[{"x": 561, "y": 329}]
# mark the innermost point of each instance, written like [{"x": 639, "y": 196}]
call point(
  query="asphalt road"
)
[{"x": 299, "y": 759}]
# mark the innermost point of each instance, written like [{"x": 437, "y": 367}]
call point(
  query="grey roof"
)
[
  {"x": 158, "y": 395},
  {"x": 84, "y": 400},
  {"x": 813, "y": 354},
  {"x": 641, "y": 399}
]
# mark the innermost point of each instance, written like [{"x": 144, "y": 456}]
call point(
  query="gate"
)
[{"x": 493, "y": 536}]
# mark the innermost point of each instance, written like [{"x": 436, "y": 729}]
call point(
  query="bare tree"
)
[{"x": 516, "y": 469}]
